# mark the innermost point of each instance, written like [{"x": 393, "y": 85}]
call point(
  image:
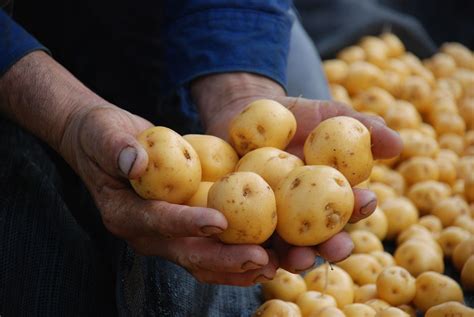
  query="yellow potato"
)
[
  {"x": 466, "y": 109},
  {"x": 416, "y": 143},
  {"x": 363, "y": 75},
  {"x": 376, "y": 50},
  {"x": 465, "y": 222},
  {"x": 449, "y": 208},
  {"x": 285, "y": 285},
  {"x": 339, "y": 93},
  {"x": 248, "y": 203},
  {"x": 402, "y": 115},
  {"x": 433, "y": 288},
  {"x": 427, "y": 130},
  {"x": 391, "y": 82},
  {"x": 462, "y": 252},
  {"x": 418, "y": 169},
  {"x": 452, "y": 141},
  {"x": 359, "y": 310},
  {"x": 441, "y": 103},
  {"x": 425, "y": 195},
  {"x": 336, "y": 70},
  {"x": 449, "y": 123},
  {"x": 447, "y": 170},
  {"x": 447, "y": 309},
  {"x": 363, "y": 268},
  {"x": 449, "y": 86},
  {"x": 432, "y": 223},
  {"x": 329, "y": 312},
  {"x": 395, "y": 46},
  {"x": 313, "y": 301},
  {"x": 365, "y": 293},
  {"x": 373, "y": 99},
  {"x": 277, "y": 308},
  {"x": 465, "y": 166},
  {"x": 270, "y": 163},
  {"x": 365, "y": 241},
  {"x": 173, "y": 173},
  {"x": 414, "y": 231},
  {"x": 449, "y": 155},
  {"x": 262, "y": 123},
  {"x": 389, "y": 177},
  {"x": 401, "y": 213},
  {"x": 396, "y": 286},
  {"x": 397, "y": 66},
  {"x": 377, "y": 304},
  {"x": 466, "y": 78},
  {"x": 313, "y": 204},
  {"x": 343, "y": 143},
  {"x": 332, "y": 281},
  {"x": 467, "y": 274},
  {"x": 376, "y": 223},
  {"x": 352, "y": 54},
  {"x": 461, "y": 54},
  {"x": 411, "y": 311},
  {"x": 441, "y": 64},
  {"x": 199, "y": 199},
  {"x": 416, "y": 90},
  {"x": 392, "y": 312},
  {"x": 385, "y": 259},
  {"x": 417, "y": 257},
  {"x": 458, "y": 187},
  {"x": 450, "y": 237},
  {"x": 217, "y": 157}
]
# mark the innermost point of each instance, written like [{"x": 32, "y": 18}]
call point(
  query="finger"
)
[
  {"x": 337, "y": 248},
  {"x": 291, "y": 258},
  {"x": 364, "y": 204}
]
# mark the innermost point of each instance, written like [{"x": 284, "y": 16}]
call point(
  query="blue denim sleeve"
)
[{"x": 15, "y": 42}]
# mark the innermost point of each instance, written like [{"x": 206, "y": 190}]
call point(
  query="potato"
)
[
  {"x": 248, "y": 203},
  {"x": 217, "y": 157},
  {"x": 365, "y": 293},
  {"x": 447, "y": 170},
  {"x": 425, "y": 195},
  {"x": 441, "y": 65},
  {"x": 359, "y": 310},
  {"x": 285, "y": 286},
  {"x": 416, "y": 231},
  {"x": 417, "y": 257},
  {"x": 365, "y": 242},
  {"x": 449, "y": 123},
  {"x": 408, "y": 309},
  {"x": 339, "y": 93},
  {"x": 467, "y": 274},
  {"x": 441, "y": 104},
  {"x": 277, "y": 308},
  {"x": 452, "y": 141},
  {"x": 427, "y": 130},
  {"x": 401, "y": 213},
  {"x": 335, "y": 70},
  {"x": 450, "y": 237},
  {"x": 465, "y": 165},
  {"x": 343, "y": 143},
  {"x": 466, "y": 109},
  {"x": 363, "y": 268},
  {"x": 451, "y": 308},
  {"x": 373, "y": 99},
  {"x": 377, "y": 304},
  {"x": 199, "y": 199},
  {"x": 416, "y": 90},
  {"x": 433, "y": 288},
  {"x": 392, "y": 312},
  {"x": 465, "y": 222},
  {"x": 329, "y": 312},
  {"x": 449, "y": 86},
  {"x": 362, "y": 75},
  {"x": 395, "y": 46},
  {"x": 402, "y": 115},
  {"x": 449, "y": 208},
  {"x": 432, "y": 223},
  {"x": 313, "y": 204},
  {"x": 417, "y": 144},
  {"x": 462, "y": 252},
  {"x": 173, "y": 173},
  {"x": 262, "y": 123},
  {"x": 396, "y": 286},
  {"x": 385, "y": 259},
  {"x": 270, "y": 163},
  {"x": 397, "y": 66},
  {"x": 391, "y": 82},
  {"x": 389, "y": 177},
  {"x": 466, "y": 79},
  {"x": 352, "y": 54},
  {"x": 418, "y": 169},
  {"x": 376, "y": 223},
  {"x": 313, "y": 301},
  {"x": 333, "y": 281},
  {"x": 461, "y": 54}
]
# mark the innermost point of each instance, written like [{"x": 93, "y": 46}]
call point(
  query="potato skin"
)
[
  {"x": 248, "y": 203},
  {"x": 343, "y": 143},
  {"x": 313, "y": 203},
  {"x": 450, "y": 308},
  {"x": 173, "y": 173},
  {"x": 277, "y": 308}
]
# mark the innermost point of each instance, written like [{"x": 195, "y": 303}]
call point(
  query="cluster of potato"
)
[{"x": 425, "y": 196}]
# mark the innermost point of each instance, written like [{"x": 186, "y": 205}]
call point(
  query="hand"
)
[{"x": 221, "y": 97}]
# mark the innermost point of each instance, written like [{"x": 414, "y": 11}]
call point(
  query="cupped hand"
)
[{"x": 100, "y": 144}]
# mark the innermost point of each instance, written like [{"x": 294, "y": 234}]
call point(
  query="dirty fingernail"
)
[
  {"x": 126, "y": 159},
  {"x": 249, "y": 265},
  {"x": 369, "y": 207},
  {"x": 210, "y": 230}
]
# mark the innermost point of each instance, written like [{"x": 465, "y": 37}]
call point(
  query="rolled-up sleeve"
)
[{"x": 15, "y": 42}]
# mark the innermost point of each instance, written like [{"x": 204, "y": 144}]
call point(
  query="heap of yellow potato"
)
[{"x": 425, "y": 196}]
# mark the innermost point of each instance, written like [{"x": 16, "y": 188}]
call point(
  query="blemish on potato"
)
[
  {"x": 260, "y": 129},
  {"x": 333, "y": 218},
  {"x": 155, "y": 164},
  {"x": 282, "y": 156},
  {"x": 339, "y": 182},
  {"x": 305, "y": 226},
  {"x": 246, "y": 191},
  {"x": 169, "y": 188},
  {"x": 334, "y": 163},
  {"x": 150, "y": 143},
  {"x": 296, "y": 182},
  {"x": 186, "y": 154}
]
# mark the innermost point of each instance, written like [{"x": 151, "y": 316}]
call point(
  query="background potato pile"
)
[{"x": 425, "y": 213}]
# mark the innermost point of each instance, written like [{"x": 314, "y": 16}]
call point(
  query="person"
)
[{"x": 75, "y": 239}]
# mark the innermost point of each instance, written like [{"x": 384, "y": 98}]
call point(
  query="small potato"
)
[
  {"x": 352, "y": 54},
  {"x": 396, "y": 286},
  {"x": 449, "y": 208},
  {"x": 417, "y": 257},
  {"x": 391, "y": 82},
  {"x": 425, "y": 195},
  {"x": 402, "y": 115},
  {"x": 466, "y": 109},
  {"x": 339, "y": 93},
  {"x": 449, "y": 123},
  {"x": 359, "y": 310},
  {"x": 365, "y": 293},
  {"x": 447, "y": 309},
  {"x": 416, "y": 90},
  {"x": 389, "y": 177},
  {"x": 441, "y": 65},
  {"x": 217, "y": 157},
  {"x": 373, "y": 99},
  {"x": 433, "y": 288},
  {"x": 414, "y": 231},
  {"x": 285, "y": 286},
  {"x": 427, "y": 130},
  {"x": 376, "y": 223},
  {"x": 410, "y": 310},
  {"x": 450, "y": 155},
  {"x": 313, "y": 203},
  {"x": 363, "y": 268},
  {"x": 397, "y": 66},
  {"x": 199, "y": 199},
  {"x": 312, "y": 301},
  {"x": 329, "y": 312},
  {"x": 466, "y": 78},
  {"x": 465, "y": 165},
  {"x": 458, "y": 187},
  {"x": 333, "y": 281},
  {"x": 462, "y": 252},
  {"x": 432, "y": 223},
  {"x": 395, "y": 46},
  {"x": 248, "y": 203},
  {"x": 418, "y": 169},
  {"x": 450, "y": 237},
  {"x": 262, "y": 123},
  {"x": 361, "y": 76},
  {"x": 365, "y": 242},
  {"x": 452, "y": 141},
  {"x": 270, "y": 163},
  {"x": 450, "y": 86},
  {"x": 336, "y": 70},
  {"x": 465, "y": 222},
  {"x": 277, "y": 308},
  {"x": 377, "y": 304},
  {"x": 173, "y": 173},
  {"x": 392, "y": 312},
  {"x": 385, "y": 259},
  {"x": 401, "y": 213},
  {"x": 467, "y": 274},
  {"x": 417, "y": 144},
  {"x": 376, "y": 50},
  {"x": 343, "y": 143},
  {"x": 447, "y": 170},
  {"x": 461, "y": 54}
]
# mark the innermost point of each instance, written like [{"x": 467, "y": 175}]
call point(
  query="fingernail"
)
[
  {"x": 364, "y": 210},
  {"x": 210, "y": 230},
  {"x": 126, "y": 159},
  {"x": 249, "y": 265},
  {"x": 261, "y": 279}
]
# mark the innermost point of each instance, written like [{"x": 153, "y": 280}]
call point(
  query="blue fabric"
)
[{"x": 15, "y": 42}]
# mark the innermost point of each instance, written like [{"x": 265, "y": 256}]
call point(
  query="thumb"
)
[{"x": 132, "y": 161}]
